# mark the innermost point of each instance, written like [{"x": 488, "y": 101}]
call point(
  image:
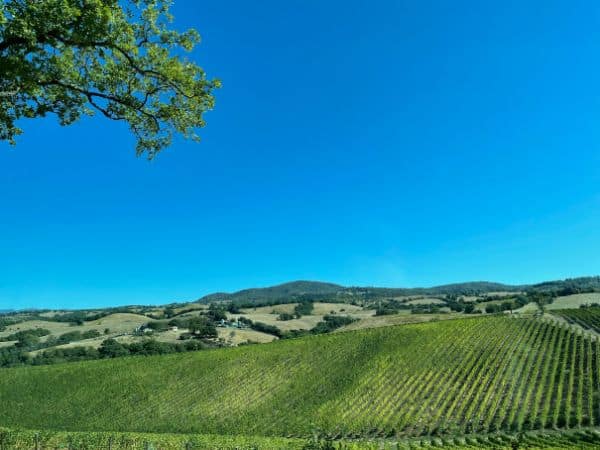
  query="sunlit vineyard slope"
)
[{"x": 445, "y": 378}]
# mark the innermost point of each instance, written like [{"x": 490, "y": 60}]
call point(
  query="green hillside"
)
[{"x": 443, "y": 378}]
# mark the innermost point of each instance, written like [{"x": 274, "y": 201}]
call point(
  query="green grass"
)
[
  {"x": 574, "y": 301},
  {"x": 447, "y": 378}
]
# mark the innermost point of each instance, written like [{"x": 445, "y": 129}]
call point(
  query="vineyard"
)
[
  {"x": 26, "y": 440},
  {"x": 431, "y": 381},
  {"x": 588, "y": 318}
]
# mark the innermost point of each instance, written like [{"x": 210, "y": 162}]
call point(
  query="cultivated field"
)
[
  {"x": 587, "y": 318},
  {"x": 584, "y": 439},
  {"x": 446, "y": 378}
]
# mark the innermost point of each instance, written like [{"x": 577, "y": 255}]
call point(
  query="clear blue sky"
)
[{"x": 381, "y": 143}]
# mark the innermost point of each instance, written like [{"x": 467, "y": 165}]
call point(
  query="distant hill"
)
[
  {"x": 316, "y": 290},
  {"x": 468, "y": 288},
  {"x": 285, "y": 291},
  {"x": 576, "y": 285}
]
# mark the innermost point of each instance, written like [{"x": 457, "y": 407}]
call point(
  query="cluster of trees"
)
[
  {"x": 202, "y": 327},
  {"x": 111, "y": 348},
  {"x": 26, "y": 335},
  {"x": 453, "y": 301},
  {"x": 390, "y": 306},
  {"x": 569, "y": 286},
  {"x": 329, "y": 323},
  {"x": 500, "y": 307},
  {"x": 332, "y": 322},
  {"x": 12, "y": 356},
  {"x": 199, "y": 326},
  {"x": 457, "y": 303},
  {"x": 286, "y": 316},
  {"x": 216, "y": 313},
  {"x": 29, "y": 340},
  {"x": 539, "y": 297},
  {"x": 6, "y": 322},
  {"x": 470, "y": 309},
  {"x": 428, "y": 309},
  {"x": 60, "y": 355},
  {"x": 234, "y": 306},
  {"x": 303, "y": 308},
  {"x": 76, "y": 335},
  {"x": 262, "y": 327},
  {"x": 77, "y": 317},
  {"x": 508, "y": 304}
]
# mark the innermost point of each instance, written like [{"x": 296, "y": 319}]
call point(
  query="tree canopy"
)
[{"x": 120, "y": 59}]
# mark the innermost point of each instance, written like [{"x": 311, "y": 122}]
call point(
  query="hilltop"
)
[
  {"x": 317, "y": 290},
  {"x": 285, "y": 291}
]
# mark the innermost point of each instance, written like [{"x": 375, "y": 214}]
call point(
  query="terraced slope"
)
[{"x": 447, "y": 378}]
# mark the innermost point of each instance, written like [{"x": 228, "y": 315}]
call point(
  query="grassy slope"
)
[
  {"x": 574, "y": 301},
  {"x": 403, "y": 317},
  {"x": 116, "y": 323},
  {"x": 270, "y": 314},
  {"x": 470, "y": 375}
]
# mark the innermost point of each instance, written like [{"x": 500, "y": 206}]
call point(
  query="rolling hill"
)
[
  {"x": 316, "y": 290},
  {"x": 287, "y": 291},
  {"x": 455, "y": 377}
]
